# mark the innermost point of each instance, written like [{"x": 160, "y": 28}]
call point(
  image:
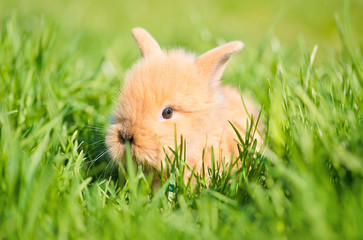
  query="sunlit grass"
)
[{"x": 56, "y": 181}]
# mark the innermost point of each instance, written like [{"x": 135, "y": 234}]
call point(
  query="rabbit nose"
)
[{"x": 124, "y": 136}]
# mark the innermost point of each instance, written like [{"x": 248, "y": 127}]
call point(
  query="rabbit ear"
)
[
  {"x": 213, "y": 62},
  {"x": 147, "y": 44}
]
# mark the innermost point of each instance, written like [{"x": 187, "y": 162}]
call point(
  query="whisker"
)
[
  {"x": 107, "y": 167},
  {"x": 93, "y": 130},
  {"x": 94, "y": 160},
  {"x": 97, "y": 142},
  {"x": 102, "y": 152},
  {"x": 92, "y": 151},
  {"x": 95, "y": 147},
  {"x": 90, "y": 126}
]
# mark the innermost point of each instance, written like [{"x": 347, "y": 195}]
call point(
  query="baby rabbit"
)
[{"x": 168, "y": 89}]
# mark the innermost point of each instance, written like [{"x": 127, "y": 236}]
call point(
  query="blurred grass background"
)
[
  {"x": 61, "y": 67},
  {"x": 197, "y": 25}
]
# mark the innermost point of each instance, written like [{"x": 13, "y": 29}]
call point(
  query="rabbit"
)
[{"x": 172, "y": 89}]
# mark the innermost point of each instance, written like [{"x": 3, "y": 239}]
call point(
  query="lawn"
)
[{"x": 62, "y": 64}]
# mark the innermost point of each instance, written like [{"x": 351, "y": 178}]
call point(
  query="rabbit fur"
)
[{"x": 190, "y": 86}]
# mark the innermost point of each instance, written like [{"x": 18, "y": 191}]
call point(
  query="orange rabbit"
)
[{"x": 174, "y": 88}]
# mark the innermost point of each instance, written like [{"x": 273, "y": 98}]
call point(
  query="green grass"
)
[{"x": 57, "y": 89}]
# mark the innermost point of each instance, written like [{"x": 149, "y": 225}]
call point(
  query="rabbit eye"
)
[{"x": 167, "y": 113}]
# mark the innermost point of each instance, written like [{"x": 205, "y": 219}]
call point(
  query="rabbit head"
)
[{"x": 164, "y": 91}]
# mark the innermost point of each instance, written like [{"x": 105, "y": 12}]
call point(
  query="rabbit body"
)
[{"x": 190, "y": 88}]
